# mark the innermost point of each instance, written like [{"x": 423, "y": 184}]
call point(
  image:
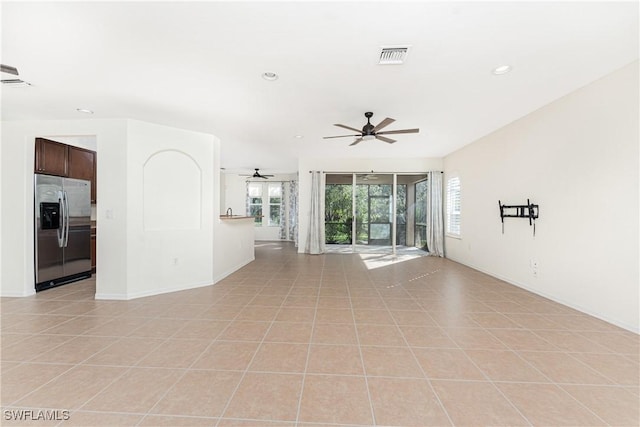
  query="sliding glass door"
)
[{"x": 374, "y": 212}]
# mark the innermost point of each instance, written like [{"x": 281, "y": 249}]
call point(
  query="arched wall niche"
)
[{"x": 172, "y": 192}]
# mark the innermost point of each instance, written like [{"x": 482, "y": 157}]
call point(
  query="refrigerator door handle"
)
[
  {"x": 66, "y": 219},
  {"x": 60, "y": 230}
]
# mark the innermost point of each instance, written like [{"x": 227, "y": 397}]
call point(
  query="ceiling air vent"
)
[
  {"x": 10, "y": 77},
  {"x": 393, "y": 55},
  {"x": 15, "y": 83},
  {"x": 8, "y": 69}
]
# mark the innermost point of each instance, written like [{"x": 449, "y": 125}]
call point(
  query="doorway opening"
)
[{"x": 375, "y": 212}]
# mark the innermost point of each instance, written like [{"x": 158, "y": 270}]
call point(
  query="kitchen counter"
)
[
  {"x": 230, "y": 217},
  {"x": 233, "y": 244}
]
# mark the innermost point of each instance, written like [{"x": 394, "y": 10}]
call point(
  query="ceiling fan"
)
[
  {"x": 257, "y": 174},
  {"x": 370, "y": 177},
  {"x": 370, "y": 131}
]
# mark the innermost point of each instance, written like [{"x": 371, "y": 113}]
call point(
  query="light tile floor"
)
[{"x": 318, "y": 340}]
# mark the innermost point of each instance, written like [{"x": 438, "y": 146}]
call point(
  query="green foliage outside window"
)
[{"x": 372, "y": 205}]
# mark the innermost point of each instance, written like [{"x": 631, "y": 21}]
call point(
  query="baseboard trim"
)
[
  {"x": 615, "y": 322},
  {"x": 17, "y": 294},
  {"x": 232, "y": 270},
  {"x": 150, "y": 293}
]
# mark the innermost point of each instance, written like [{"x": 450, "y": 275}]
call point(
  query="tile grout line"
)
[
  {"x": 186, "y": 370},
  {"x": 364, "y": 369},
  {"x": 556, "y": 384},
  {"x": 474, "y": 291},
  {"x": 415, "y": 359},
  {"x": 235, "y": 390},
  {"x": 484, "y": 374},
  {"x": 542, "y": 373},
  {"x": 72, "y": 366},
  {"x": 313, "y": 328}
]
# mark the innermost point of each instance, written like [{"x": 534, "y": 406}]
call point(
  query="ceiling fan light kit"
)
[{"x": 370, "y": 131}]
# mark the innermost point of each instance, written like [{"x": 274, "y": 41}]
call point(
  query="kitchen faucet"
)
[{"x": 229, "y": 212}]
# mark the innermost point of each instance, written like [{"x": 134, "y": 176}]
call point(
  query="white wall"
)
[
  {"x": 578, "y": 159},
  {"x": 233, "y": 239},
  {"x": 18, "y": 143},
  {"x": 174, "y": 252},
  {"x": 408, "y": 165},
  {"x": 83, "y": 141}
]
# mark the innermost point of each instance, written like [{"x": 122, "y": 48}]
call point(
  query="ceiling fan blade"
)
[
  {"x": 389, "y": 132},
  {"x": 9, "y": 69},
  {"x": 386, "y": 122},
  {"x": 263, "y": 177},
  {"x": 348, "y": 127},
  {"x": 357, "y": 141},
  {"x": 340, "y": 136},
  {"x": 385, "y": 139}
]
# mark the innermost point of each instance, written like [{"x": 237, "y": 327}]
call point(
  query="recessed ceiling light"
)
[
  {"x": 84, "y": 110},
  {"x": 503, "y": 69},
  {"x": 299, "y": 136},
  {"x": 270, "y": 76}
]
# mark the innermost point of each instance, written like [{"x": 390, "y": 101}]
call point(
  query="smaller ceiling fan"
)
[
  {"x": 370, "y": 131},
  {"x": 370, "y": 177},
  {"x": 257, "y": 174}
]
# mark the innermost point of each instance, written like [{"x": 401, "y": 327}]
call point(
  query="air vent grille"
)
[
  {"x": 393, "y": 55},
  {"x": 14, "y": 83},
  {"x": 8, "y": 69}
]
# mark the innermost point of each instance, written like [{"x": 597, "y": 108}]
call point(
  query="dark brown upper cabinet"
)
[
  {"x": 54, "y": 158},
  {"x": 51, "y": 157},
  {"x": 82, "y": 165}
]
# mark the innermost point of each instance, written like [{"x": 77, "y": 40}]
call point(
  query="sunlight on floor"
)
[{"x": 373, "y": 261}]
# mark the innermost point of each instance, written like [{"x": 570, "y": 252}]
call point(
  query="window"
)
[
  {"x": 254, "y": 191},
  {"x": 275, "y": 196},
  {"x": 453, "y": 206},
  {"x": 265, "y": 199}
]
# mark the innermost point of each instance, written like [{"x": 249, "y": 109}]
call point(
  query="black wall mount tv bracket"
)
[{"x": 519, "y": 211}]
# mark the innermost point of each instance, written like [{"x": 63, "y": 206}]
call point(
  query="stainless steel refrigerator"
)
[{"x": 62, "y": 230}]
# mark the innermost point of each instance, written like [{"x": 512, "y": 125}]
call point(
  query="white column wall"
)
[
  {"x": 578, "y": 159},
  {"x": 167, "y": 259},
  {"x": 233, "y": 239}
]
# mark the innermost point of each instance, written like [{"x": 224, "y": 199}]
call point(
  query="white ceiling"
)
[{"x": 198, "y": 66}]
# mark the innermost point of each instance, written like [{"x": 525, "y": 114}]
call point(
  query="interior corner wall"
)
[
  {"x": 233, "y": 240},
  {"x": 169, "y": 255},
  {"x": 349, "y": 165},
  {"x": 578, "y": 159},
  {"x": 16, "y": 226}
]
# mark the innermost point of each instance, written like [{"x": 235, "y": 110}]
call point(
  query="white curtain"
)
[
  {"x": 315, "y": 236},
  {"x": 435, "y": 219},
  {"x": 284, "y": 219},
  {"x": 293, "y": 212}
]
